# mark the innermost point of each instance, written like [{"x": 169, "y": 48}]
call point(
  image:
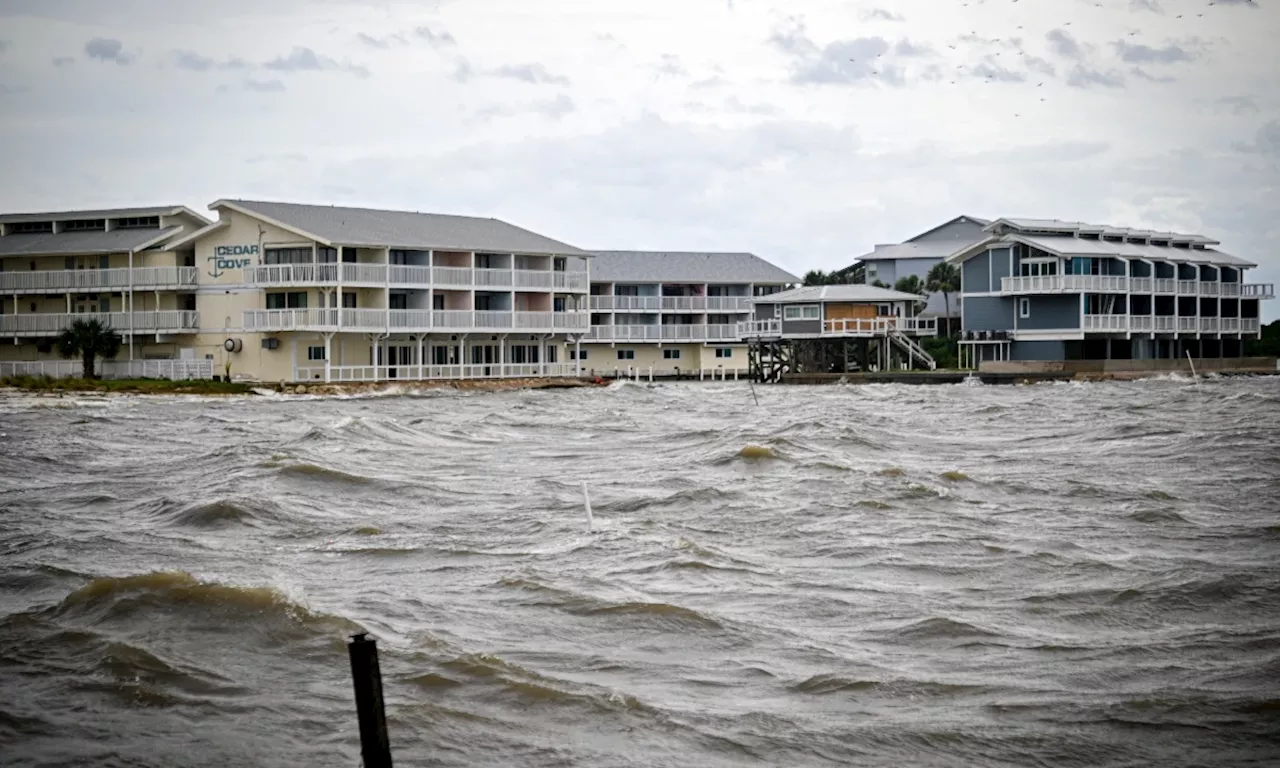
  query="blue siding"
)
[
  {"x": 764, "y": 311},
  {"x": 801, "y": 326},
  {"x": 1052, "y": 311},
  {"x": 988, "y": 313},
  {"x": 1038, "y": 350},
  {"x": 999, "y": 266},
  {"x": 886, "y": 271},
  {"x": 975, "y": 275},
  {"x": 959, "y": 232}
]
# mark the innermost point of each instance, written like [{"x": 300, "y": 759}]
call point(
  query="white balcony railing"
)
[
  {"x": 1188, "y": 287},
  {"x": 409, "y": 274},
  {"x": 351, "y": 373},
  {"x": 493, "y": 278},
  {"x": 456, "y": 276},
  {"x": 1166, "y": 285},
  {"x": 1105, "y": 323},
  {"x": 1250, "y": 325},
  {"x": 1229, "y": 289},
  {"x": 1140, "y": 284},
  {"x": 1229, "y": 324},
  {"x": 1209, "y": 324},
  {"x": 92, "y": 280},
  {"x": 854, "y": 326},
  {"x": 412, "y": 320},
  {"x": 1163, "y": 323},
  {"x": 530, "y": 278},
  {"x": 1257, "y": 291},
  {"x": 1208, "y": 289},
  {"x": 1141, "y": 322},
  {"x": 749, "y": 328},
  {"x": 1032, "y": 284},
  {"x": 51, "y": 324},
  {"x": 1187, "y": 324},
  {"x": 570, "y": 281}
]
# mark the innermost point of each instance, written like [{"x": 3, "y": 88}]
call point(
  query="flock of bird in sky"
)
[{"x": 1065, "y": 24}]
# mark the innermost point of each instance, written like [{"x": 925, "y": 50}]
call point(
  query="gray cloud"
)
[
  {"x": 6, "y": 90},
  {"x": 863, "y": 59},
  {"x": 1145, "y": 75},
  {"x": 63, "y": 61},
  {"x": 107, "y": 49},
  {"x": 533, "y": 73},
  {"x": 4, "y": 45},
  {"x": 1146, "y": 5},
  {"x": 195, "y": 62},
  {"x": 263, "y": 86},
  {"x": 992, "y": 71},
  {"x": 380, "y": 42},
  {"x": 1251, "y": 3},
  {"x": 1037, "y": 64},
  {"x": 1063, "y": 44},
  {"x": 1145, "y": 54},
  {"x": 435, "y": 39},
  {"x": 302, "y": 59},
  {"x": 1240, "y": 105},
  {"x": 555, "y": 108},
  {"x": 670, "y": 64},
  {"x": 879, "y": 14},
  {"x": 277, "y": 158},
  {"x": 1086, "y": 77},
  {"x": 905, "y": 47},
  {"x": 1266, "y": 142}
]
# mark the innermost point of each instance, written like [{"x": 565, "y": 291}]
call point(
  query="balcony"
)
[
  {"x": 849, "y": 327},
  {"x": 656, "y": 333},
  {"x": 95, "y": 280},
  {"x": 1105, "y": 323},
  {"x": 413, "y": 321},
  {"x": 696, "y": 304},
  {"x": 51, "y": 324},
  {"x": 404, "y": 275},
  {"x": 1120, "y": 284}
]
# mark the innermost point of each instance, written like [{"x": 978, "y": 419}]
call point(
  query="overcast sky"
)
[{"x": 805, "y": 132}]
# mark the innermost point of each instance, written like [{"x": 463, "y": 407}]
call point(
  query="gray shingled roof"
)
[
  {"x": 82, "y": 243},
  {"x": 936, "y": 249},
  {"x": 812, "y": 293},
  {"x": 405, "y": 229},
  {"x": 1069, "y": 245},
  {"x": 102, "y": 213},
  {"x": 684, "y": 267}
]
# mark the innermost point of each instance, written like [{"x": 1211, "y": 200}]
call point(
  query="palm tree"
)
[
  {"x": 815, "y": 277},
  {"x": 89, "y": 339},
  {"x": 910, "y": 284},
  {"x": 879, "y": 284},
  {"x": 944, "y": 278}
]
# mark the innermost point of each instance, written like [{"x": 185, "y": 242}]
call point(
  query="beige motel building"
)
[{"x": 272, "y": 291}]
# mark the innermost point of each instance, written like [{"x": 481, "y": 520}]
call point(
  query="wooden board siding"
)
[{"x": 846, "y": 311}]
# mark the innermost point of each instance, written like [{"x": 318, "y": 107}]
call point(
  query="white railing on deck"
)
[
  {"x": 1229, "y": 324},
  {"x": 291, "y": 274},
  {"x": 570, "y": 281},
  {"x": 1188, "y": 287},
  {"x": 409, "y": 274},
  {"x": 451, "y": 275},
  {"x": 1209, "y": 324},
  {"x": 531, "y": 278},
  {"x": 163, "y": 321},
  {"x": 1140, "y": 323},
  {"x": 174, "y": 370},
  {"x": 1187, "y": 324},
  {"x": 1250, "y": 325},
  {"x": 500, "y": 278},
  {"x": 1208, "y": 289},
  {"x": 1140, "y": 285},
  {"x": 370, "y": 373},
  {"x": 1166, "y": 285},
  {"x": 89, "y": 280},
  {"x": 760, "y": 328},
  {"x": 1106, "y": 322},
  {"x": 626, "y": 303},
  {"x": 1258, "y": 291},
  {"x": 1164, "y": 323}
]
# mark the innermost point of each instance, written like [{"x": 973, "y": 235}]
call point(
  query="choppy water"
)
[{"x": 1065, "y": 575}]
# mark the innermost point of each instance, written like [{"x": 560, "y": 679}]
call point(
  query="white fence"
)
[
  {"x": 51, "y": 323},
  {"x": 413, "y": 320},
  {"x": 362, "y": 274},
  {"x": 174, "y": 370},
  {"x": 370, "y": 373},
  {"x": 1120, "y": 284},
  {"x": 91, "y": 280}
]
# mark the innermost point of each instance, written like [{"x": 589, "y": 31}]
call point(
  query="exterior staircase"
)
[{"x": 913, "y": 349}]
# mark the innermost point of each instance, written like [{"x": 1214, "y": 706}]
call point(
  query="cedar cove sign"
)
[{"x": 231, "y": 257}]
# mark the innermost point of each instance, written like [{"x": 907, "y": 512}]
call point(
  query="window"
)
[
  {"x": 802, "y": 312},
  {"x": 292, "y": 300},
  {"x": 670, "y": 354},
  {"x": 31, "y": 227},
  {"x": 398, "y": 301},
  {"x": 315, "y": 353},
  {"x": 437, "y": 301},
  {"x": 626, "y": 354},
  {"x": 286, "y": 256},
  {"x": 723, "y": 352},
  {"x": 348, "y": 301},
  {"x": 557, "y": 304},
  {"x": 1024, "y": 307},
  {"x": 138, "y": 222},
  {"x": 551, "y": 354},
  {"x": 84, "y": 225},
  {"x": 579, "y": 355}
]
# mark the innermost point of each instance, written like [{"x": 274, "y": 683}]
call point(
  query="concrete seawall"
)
[{"x": 1037, "y": 371}]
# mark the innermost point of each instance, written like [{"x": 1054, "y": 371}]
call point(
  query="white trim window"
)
[
  {"x": 802, "y": 312},
  {"x": 723, "y": 352},
  {"x": 1024, "y": 307},
  {"x": 315, "y": 353},
  {"x": 670, "y": 354},
  {"x": 626, "y": 354}
]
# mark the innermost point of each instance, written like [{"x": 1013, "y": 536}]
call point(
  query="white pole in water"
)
[
  {"x": 1192, "y": 364},
  {"x": 586, "y": 500}
]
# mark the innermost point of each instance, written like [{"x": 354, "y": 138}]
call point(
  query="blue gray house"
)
[
  {"x": 1044, "y": 289},
  {"x": 917, "y": 255}
]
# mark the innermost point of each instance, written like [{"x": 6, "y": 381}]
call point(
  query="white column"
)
[
  {"x": 294, "y": 355},
  {"x": 328, "y": 355},
  {"x": 577, "y": 356}
]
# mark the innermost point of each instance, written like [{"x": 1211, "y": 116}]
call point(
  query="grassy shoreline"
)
[{"x": 126, "y": 386}]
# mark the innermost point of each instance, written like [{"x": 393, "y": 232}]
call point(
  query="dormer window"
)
[
  {"x": 138, "y": 222},
  {"x": 31, "y": 227},
  {"x": 84, "y": 225}
]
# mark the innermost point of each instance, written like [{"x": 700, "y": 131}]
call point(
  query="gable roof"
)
[
  {"x": 912, "y": 248},
  {"x": 103, "y": 213},
  {"x": 852, "y": 293},
  {"x": 684, "y": 267},
  {"x": 370, "y": 227},
  {"x": 961, "y": 218},
  {"x": 84, "y": 243},
  {"x": 1067, "y": 246}
]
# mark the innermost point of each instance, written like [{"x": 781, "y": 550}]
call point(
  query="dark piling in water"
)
[{"x": 375, "y": 748}]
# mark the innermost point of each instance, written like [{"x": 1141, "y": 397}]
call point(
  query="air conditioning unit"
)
[
  {"x": 270, "y": 343},
  {"x": 233, "y": 345}
]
